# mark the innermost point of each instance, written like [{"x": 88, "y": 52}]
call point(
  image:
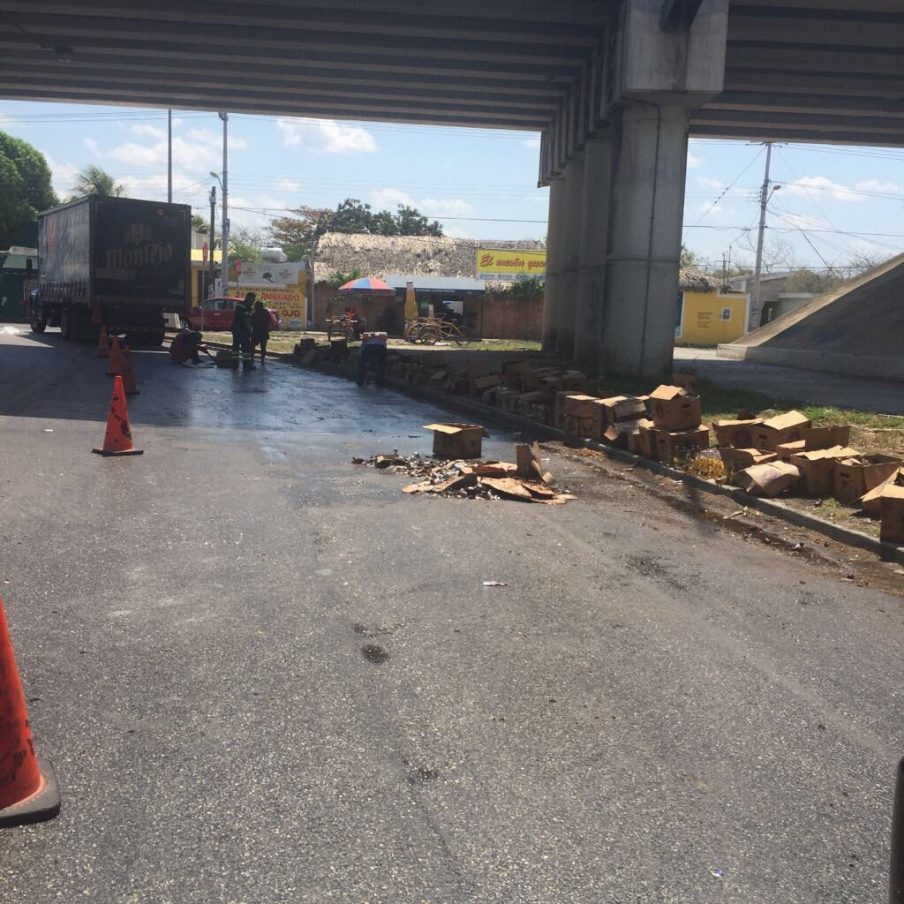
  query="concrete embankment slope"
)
[{"x": 858, "y": 329}]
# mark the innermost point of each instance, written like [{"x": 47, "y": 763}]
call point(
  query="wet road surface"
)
[{"x": 266, "y": 675}]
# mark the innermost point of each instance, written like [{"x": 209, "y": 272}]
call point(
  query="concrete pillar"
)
[
  {"x": 553, "y": 264},
  {"x": 649, "y": 167},
  {"x": 570, "y": 256},
  {"x": 594, "y": 239}
]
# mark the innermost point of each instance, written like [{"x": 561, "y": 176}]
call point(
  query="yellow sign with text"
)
[
  {"x": 510, "y": 263},
  {"x": 289, "y": 303}
]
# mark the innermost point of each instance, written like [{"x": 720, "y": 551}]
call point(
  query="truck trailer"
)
[{"x": 120, "y": 262}]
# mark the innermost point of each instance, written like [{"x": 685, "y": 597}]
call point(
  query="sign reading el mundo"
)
[{"x": 510, "y": 264}]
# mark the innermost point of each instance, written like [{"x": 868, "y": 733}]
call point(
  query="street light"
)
[{"x": 224, "y": 185}]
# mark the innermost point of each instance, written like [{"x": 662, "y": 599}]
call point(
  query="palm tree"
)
[{"x": 92, "y": 180}]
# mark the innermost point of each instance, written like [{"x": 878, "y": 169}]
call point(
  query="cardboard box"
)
[
  {"x": 891, "y": 508},
  {"x": 739, "y": 459},
  {"x": 644, "y": 441},
  {"x": 673, "y": 410},
  {"x": 770, "y": 479},
  {"x": 781, "y": 429},
  {"x": 576, "y": 405},
  {"x": 735, "y": 433},
  {"x": 574, "y": 380},
  {"x": 577, "y": 427},
  {"x": 456, "y": 440},
  {"x": 817, "y": 469},
  {"x": 619, "y": 434},
  {"x": 785, "y": 450},
  {"x": 484, "y": 382},
  {"x": 869, "y": 501},
  {"x": 856, "y": 476},
  {"x": 827, "y": 437},
  {"x": 621, "y": 408},
  {"x": 677, "y": 445}
]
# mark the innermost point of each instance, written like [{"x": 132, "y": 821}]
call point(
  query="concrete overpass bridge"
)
[{"x": 615, "y": 87}]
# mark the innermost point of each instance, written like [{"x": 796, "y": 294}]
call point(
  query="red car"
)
[{"x": 215, "y": 314}]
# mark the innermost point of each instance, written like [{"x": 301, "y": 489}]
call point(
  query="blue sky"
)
[{"x": 834, "y": 203}]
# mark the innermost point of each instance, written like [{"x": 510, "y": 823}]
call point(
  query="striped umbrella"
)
[{"x": 367, "y": 284}]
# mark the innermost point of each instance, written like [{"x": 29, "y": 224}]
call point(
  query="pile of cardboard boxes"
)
[
  {"x": 787, "y": 454},
  {"x": 664, "y": 425}
]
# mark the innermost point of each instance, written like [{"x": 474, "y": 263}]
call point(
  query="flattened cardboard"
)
[
  {"x": 738, "y": 459},
  {"x": 855, "y": 477},
  {"x": 673, "y": 410},
  {"x": 677, "y": 445},
  {"x": 782, "y": 428},
  {"x": 617, "y": 434},
  {"x": 456, "y": 440},
  {"x": 891, "y": 510},
  {"x": 770, "y": 479},
  {"x": 735, "y": 433}
]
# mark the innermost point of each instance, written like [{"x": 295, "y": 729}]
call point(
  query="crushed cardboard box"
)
[
  {"x": 817, "y": 469},
  {"x": 869, "y": 501},
  {"x": 738, "y": 459},
  {"x": 770, "y": 479},
  {"x": 856, "y": 476}
]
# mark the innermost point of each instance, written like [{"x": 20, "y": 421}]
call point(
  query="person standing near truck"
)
[
  {"x": 260, "y": 329},
  {"x": 241, "y": 332}
]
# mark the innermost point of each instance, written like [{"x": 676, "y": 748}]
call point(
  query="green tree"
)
[
  {"x": 24, "y": 188},
  {"x": 92, "y": 180},
  {"x": 32, "y": 167},
  {"x": 15, "y": 211},
  {"x": 199, "y": 224},
  {"x": 297, "y": 234}
]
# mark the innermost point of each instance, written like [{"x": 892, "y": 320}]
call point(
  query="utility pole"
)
[
  {"x": 212, "y": 234},
  {"x": 169, "y": 156},
  {"x": 224, "y": 232},
  {"x": 755, "y": 308}
]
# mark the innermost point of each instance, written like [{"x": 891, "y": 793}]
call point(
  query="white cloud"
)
[
  {"x": 532, "y": 142},
  {"x": 325, "y": 136},
  {"x": 143, "y": 130},
  {"x": 288, "y": 185},
  {"x": 456, "y": 232},
  {"x": 816, "y": 188},
  {"x": 92, "y": 145},
  {"x": 719, "y": 212},
  {"x": 63, "y": 176},
  {"x": 445, "y": 207},
  {"x": 693, "y": 161},
  {"x": 874, "y": 185},
  {"x": 390, "y": 198}
]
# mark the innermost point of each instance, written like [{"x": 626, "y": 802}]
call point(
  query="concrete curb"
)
[{"x": 887, "y": 552}]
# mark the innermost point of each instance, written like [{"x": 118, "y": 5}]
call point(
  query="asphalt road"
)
[{"x": 266, "y": 675}]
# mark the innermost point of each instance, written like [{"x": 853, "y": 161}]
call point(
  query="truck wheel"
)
[
  {"x": 66, "y": 324},
  {"x": 37, "y": 324}
]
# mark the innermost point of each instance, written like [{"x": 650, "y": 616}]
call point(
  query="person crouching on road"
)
[
  {"x": 260, "y": 329},
  {"x": 241, "y": 332},
  {"x": 185, "y": 346},
  {"x": 373, "y": 351}
]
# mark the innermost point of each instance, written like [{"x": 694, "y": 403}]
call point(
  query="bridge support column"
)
[
  {"x": 649, "y": 167},
  {"x": 570, "y": 256},
  {"x": 594, "y": 239},
  {"x": 551, "y": 292}
]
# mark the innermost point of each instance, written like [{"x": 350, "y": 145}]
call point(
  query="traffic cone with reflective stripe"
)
[
  {"x": 114, "y": 368},
  {"x": 128, "y": 375},
  {"x": 118, "y": 439},
  {"x": 28, "y": 788},
  {"x": 103, "y": 344}
]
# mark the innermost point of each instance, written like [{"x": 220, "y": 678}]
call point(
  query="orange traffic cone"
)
[
  {"x": 118, "y": 439},
  {"x": 28, "y": 788},
  {"x": 114, "y": 368},
  {"x": 103, "y": 344},
  {"x": 128, "y": 375}
]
